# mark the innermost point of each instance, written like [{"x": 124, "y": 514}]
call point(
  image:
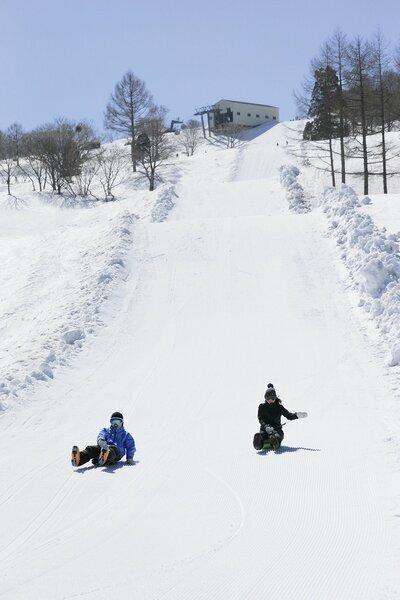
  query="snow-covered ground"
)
[
  {"x": 385, "y": 211},
  {"x": 177, "y": 308}
]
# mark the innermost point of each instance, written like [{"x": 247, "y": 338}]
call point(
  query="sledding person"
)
[
  {"x": 112, "y": 444},
  {"x": 269, "y": 415}
]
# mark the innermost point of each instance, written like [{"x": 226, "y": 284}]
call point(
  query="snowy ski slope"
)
[{"x": 230, "y": 292}]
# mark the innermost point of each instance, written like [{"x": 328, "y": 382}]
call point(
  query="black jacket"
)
[{"x": 270, "y": 413}]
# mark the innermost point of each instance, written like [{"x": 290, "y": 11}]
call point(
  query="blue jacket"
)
[{"x": 120, "y": 438}]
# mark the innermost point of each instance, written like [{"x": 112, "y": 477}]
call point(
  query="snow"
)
[
  {"x": 373, "y": 260},
  {"x": 176, "y": 308},
  {"x": 58, "y": 267},
  {"x": 384, "y": 210},
  {"x": 294, "y": 191},
  {"x": 163, "y": 205}
]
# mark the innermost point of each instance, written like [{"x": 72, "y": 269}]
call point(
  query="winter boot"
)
[
  {"x": 274, "y": 440},
  {"x": 258, "y": 441},
  {"x": 75, "y": 456},
  {"x": 104, "y": 452}
]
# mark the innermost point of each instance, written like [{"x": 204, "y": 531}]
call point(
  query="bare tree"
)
[
  {"x": 365, "y": 103},
  {"x": 16, "y": 135},
  {"x": 391, "y": 81},
  {"x": 332, "y": 109},
  {"x": 44, "y": 151},
  {"x": 81, "y": 184},
  {"x": 190, "y": 136},
  {"x": 129, "y": 103},
  {"x": 154, "y": 145},
  {"x": 63, "y": 148},
  {"x": 381, "y": 64},
  {"x": 231, "y": 133},
  {"x": 358, "y": 75},
  {"x": 302, "y": 97},
  {"x": 318, "y": 101},
  {"x": 338, "y": 44},
  {"x": 113, "y": 162},
  {"x": 7, "y": 162},
  {"x": 32, "y": 166}
]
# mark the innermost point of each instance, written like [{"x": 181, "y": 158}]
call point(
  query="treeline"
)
[
  {"x": 68, "y": 156},
  {"x": 353, "y": 93}
]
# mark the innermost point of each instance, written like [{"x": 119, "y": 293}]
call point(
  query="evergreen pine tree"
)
[
  {"x": 323, "y": 105},
  {"x": 323, "y": 110}
]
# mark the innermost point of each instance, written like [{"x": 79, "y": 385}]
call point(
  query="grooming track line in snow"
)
[{"x": 197, "y": 295}]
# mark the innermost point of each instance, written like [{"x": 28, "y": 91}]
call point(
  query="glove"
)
[
  {"x": 102, "y": 443},
  {"x": 301, "y": 415},
  {"x": 130, "y": 461},
  {"x": 269, "y": 430}
]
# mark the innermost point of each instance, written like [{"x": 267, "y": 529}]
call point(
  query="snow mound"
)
[
  {"x": 163, "y": 205},
  {"x": 56, "y": 292},
  {"x": 76, "y": 335},
  {"x": 294, "y": 192},
  {"x": 373, "y": 260}
]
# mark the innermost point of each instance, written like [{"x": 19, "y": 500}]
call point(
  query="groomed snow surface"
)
[{"x": 177, "y": 307}]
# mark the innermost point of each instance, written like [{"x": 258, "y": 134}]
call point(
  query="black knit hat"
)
[
  {"x": 117, "y": 415},
  {"x": 270, "y": 393}
]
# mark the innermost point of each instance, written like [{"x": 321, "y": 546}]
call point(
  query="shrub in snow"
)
[
  {"x": 373, "y": 260},
  {"x": 294, "y": 191}
]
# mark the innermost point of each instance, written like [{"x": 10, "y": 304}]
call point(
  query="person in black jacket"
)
[{"x": 270, "y": 414}]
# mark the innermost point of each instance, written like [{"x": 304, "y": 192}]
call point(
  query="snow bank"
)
[
  {"x": 55, "y": 283},
  {"x": 294, "y": 192},
  {"x": 163, "y": 205},
  {"x": 373, "y": 260}
]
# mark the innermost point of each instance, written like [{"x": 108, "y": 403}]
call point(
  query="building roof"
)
[{"x": 251, "y": 103}]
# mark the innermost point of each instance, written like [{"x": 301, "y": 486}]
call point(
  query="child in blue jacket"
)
[{"x": 112, "y": 444}]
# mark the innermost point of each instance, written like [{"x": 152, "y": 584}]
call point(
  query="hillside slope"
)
[{"x": 230, "y": 292}]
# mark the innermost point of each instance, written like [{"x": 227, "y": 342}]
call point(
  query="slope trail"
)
[{"x": 229, "y": 293}]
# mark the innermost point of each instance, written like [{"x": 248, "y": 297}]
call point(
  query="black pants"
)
[
  {"x": 92, "y": 452},
  {"x": 278, "y": 432}
]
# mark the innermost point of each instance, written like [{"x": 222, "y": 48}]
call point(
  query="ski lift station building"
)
[{"x": 244, "y": 114}]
